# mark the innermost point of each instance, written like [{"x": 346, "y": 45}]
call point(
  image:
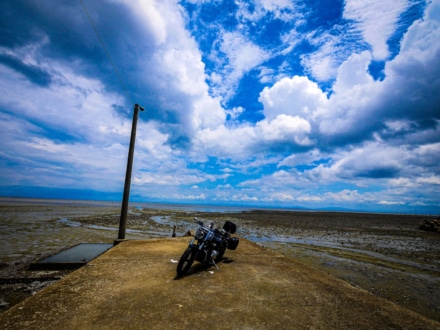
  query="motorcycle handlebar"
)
[
  {"x": 200, "y": 223},
  {"x": 211, "y": 226}
]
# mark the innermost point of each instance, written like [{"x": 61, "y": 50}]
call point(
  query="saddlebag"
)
[
  {"x": 232, "y": 243},
  {"x": 230, "y": 227}
]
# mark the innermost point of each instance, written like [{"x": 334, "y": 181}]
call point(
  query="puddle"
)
[
  {"x": 69, "y": 223},
  {"x": 80, "y": 253},
  {"x": 73, "y": 257}
]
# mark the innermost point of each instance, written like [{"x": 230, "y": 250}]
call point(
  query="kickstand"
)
[{"x": 213, "y": 262}]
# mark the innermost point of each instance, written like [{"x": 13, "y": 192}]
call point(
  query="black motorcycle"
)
[{"x": 208, "y": 246}]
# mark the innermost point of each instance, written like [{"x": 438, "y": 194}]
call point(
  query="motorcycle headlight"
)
[{"x": 199, "y": 234}]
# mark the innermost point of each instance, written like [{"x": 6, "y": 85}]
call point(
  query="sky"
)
[{"x": 319, "y": 104}]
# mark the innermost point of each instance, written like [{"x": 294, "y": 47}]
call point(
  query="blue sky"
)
[{"x": 315, "y": 104}]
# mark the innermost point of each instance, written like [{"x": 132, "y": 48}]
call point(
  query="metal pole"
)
[{"x": 126, "y": 196}]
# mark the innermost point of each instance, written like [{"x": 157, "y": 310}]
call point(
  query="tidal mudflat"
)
[{"x": 384, "y": 254}]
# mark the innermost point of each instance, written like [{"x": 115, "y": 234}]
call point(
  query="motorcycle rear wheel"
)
[
  {"x": 186, "y": 261},
  {"x": 220, "y": 254}
]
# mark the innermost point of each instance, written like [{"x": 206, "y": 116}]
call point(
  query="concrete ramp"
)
[{"x": 134, "y": 286}]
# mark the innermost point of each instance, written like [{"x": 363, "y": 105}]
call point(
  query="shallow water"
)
[
  {"x": 80, "y": 253},
  {"x": 29, "y": 231}
]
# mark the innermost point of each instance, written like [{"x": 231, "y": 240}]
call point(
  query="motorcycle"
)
[{"x": 208, "y": 245}]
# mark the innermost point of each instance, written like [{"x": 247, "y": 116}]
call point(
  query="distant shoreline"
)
[
  {"x": 219, "y": 208},
  {"x": 28, "y": 200}
]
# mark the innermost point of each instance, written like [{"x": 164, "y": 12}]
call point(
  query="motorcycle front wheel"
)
[{"x": 186, "y": 260}]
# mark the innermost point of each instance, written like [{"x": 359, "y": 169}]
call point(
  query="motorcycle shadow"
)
[{"x": 199, "y": 268}]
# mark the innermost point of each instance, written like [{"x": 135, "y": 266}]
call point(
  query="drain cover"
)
[{"x": 73, "y": 257}]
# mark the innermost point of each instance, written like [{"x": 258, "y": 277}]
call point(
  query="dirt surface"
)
[
  {"x": 384, "y": 254},
  {"x": 134, "y": 286}
]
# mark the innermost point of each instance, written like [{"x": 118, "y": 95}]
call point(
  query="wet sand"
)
[{"x": 384, "y": 254}]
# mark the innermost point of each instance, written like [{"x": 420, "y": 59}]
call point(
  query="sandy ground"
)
[
  {"x": 384, "y": 254},
  {"x": 134, "y": 286}
]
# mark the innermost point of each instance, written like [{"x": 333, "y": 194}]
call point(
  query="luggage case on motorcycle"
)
[
  {"x": 230, "y": 227},
  {"x": 232, "y": 243}
]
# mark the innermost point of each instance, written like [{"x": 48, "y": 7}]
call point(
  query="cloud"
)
[
  {"x": 414, "y": 73},
  {"x": 306, "y": 158},
  {"x": 241, "y": 53},
  {"x": 391, "y": 203},
  {"x": 332, "y": 48},
  {"x": 167, "y": 179},
  {"x": 280, "y": 9},
  {"x": 376, "y": 20},
  {"x": 150, "y": 15},
  {"x": 358, "y": 110},
  {"x": 297, "y": 96},
  {"x": 345, "y": 195},
  {"x": 248, "y": 102},
  {"x": 353, "y": 75},
  {"x": 237, "y": 56},
  {"x": 285, "y": 128},
  {"x": 157, "y": 62},
  {"x": 360, "y": 106},
  {"x": 307, "y": 198},
  {"x": 426, "y": 155},
  {"x": 225, "y": 142},
  {"x": 61, "y": 143},
  {"x": 247, "y": 141},
  {"x": 71, "y": 129},
  {"x": 31, "y": 72},
  {"x": 349, "y": 108},
  {"x": 174, "y": 70},
  {"x": 374, "y": 160}
]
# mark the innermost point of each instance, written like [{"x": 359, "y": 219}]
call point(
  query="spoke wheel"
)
[{"x": 186, "y": 261}]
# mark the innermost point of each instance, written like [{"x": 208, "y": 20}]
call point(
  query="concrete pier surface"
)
[{"x": 134, "y": 286}]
